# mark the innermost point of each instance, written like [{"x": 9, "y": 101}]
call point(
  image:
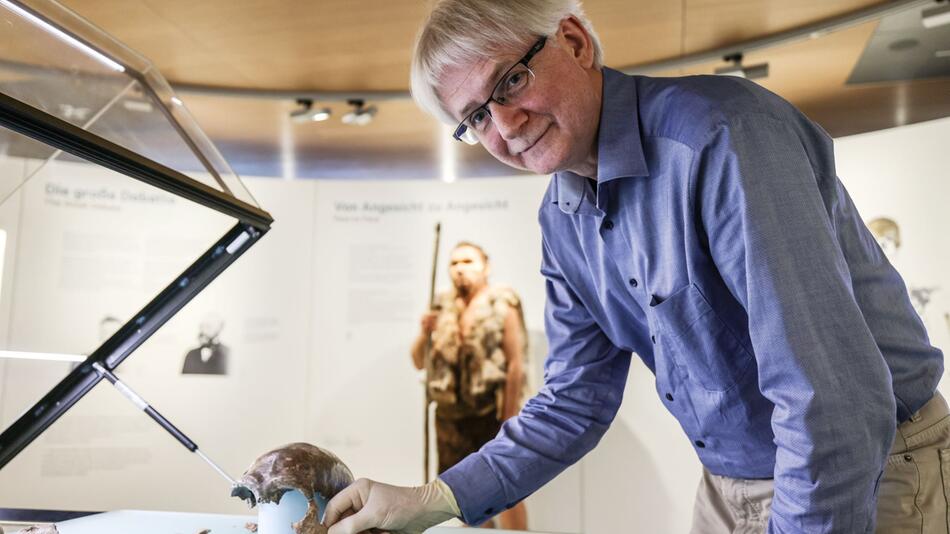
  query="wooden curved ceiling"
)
[{"x": 365, "y": 45}]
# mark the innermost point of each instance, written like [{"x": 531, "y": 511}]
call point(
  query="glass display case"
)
[{"x": 115, "y": 211}]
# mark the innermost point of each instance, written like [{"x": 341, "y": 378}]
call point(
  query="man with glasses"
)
[{"x": 699, "y": 223}]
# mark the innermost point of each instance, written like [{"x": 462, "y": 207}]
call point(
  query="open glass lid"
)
[{"x": 115, "y": 211}]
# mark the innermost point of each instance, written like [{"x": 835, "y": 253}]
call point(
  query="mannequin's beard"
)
[{"x": 465, "y": 287}]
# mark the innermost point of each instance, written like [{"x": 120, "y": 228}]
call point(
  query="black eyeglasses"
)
[{"x": 509, "y": 88}]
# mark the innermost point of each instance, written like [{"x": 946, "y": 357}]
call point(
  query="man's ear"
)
[{"x": 575, "y": 39}]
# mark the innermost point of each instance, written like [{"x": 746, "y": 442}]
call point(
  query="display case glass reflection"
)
[
  {"x": 58, "y": 63},
  {"x": 116, "y": 211}
]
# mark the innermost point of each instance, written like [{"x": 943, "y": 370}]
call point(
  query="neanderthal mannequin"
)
[{"x": 478, "y": 348}]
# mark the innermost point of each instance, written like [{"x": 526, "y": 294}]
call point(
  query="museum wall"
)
[{"x": 317, "y": 319}]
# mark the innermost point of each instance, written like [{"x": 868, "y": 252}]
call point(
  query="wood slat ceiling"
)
[{"x": 365, "y": 45}]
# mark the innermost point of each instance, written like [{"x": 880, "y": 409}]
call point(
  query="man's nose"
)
[{"x": 508, "y": 120}]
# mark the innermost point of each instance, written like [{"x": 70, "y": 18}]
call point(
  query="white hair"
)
[{"x": 461, "y": 32}]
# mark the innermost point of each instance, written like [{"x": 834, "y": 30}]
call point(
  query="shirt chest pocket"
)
[{"x": 690, "y": 332}]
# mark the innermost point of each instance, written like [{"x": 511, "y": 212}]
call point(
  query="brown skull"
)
[{"x": 298, "y": 466}]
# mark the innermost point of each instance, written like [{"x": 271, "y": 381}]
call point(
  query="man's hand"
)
[{"x": 367, "y": 506}]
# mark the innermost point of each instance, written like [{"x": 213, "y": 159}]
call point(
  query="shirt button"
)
[
  {"x": 653, "y": 339},
  {"x": 700, "y": 444},
  {"x": 908, "y": 458},
  {"x": 669, "y": 397},
  {"x": 489, "y": 512},
  {"x": 609, "y": 224},
  {"x": 633, "y": 282}
]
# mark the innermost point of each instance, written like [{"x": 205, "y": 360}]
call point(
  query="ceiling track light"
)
[
  {"x": 934, "y": 16},
  {"x": 361, "y": 115},
  {"x": 307, "y": 113},
  {"x": 736, "y": 68}
]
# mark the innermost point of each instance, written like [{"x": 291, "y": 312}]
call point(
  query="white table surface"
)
[
  {"x": 142, "y": 522},
  {"x": 149, "y": 522}
]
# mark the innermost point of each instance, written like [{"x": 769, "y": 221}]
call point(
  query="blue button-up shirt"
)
[{"x": 717, "y": 244}]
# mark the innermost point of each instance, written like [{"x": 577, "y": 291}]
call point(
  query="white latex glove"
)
[{"x": 368, "y": 506}]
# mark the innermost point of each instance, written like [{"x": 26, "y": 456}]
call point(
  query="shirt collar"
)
[{"x": 619, "y": 146}]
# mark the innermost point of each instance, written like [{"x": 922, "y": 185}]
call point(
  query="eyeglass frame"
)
[{"x": 462, "y": 127}]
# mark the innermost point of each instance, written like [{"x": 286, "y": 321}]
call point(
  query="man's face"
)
[
  {"x": 552, "y": 127},
  {"x": 468, "y": 270}
]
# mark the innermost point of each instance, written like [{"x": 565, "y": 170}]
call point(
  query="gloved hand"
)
[{"x": 368, "y": 506}]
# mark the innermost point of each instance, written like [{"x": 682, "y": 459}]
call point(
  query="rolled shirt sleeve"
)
[
  {"x": 584, "y": 377},
  {"x": 768, "y": 201}
]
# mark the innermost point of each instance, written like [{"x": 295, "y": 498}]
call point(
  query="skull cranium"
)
[{"x": 298, "y": 466}]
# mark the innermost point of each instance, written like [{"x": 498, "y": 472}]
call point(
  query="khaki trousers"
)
[{"x": 912, "y": 498}]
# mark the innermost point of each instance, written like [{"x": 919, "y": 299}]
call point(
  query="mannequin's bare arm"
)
[{"x": 513, "y": 344}]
